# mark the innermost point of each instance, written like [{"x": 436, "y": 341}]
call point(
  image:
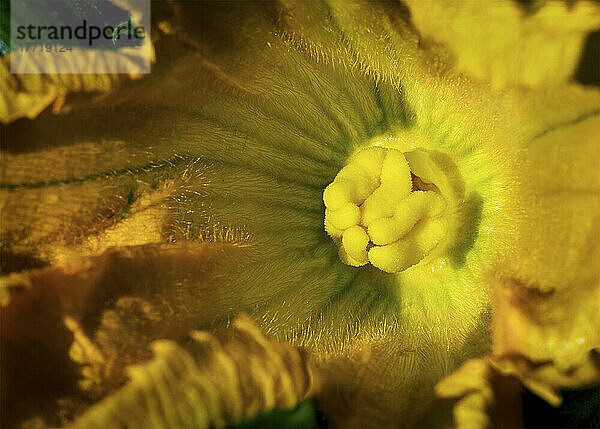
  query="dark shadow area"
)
[
  {"x": 468, "y": 230},
  {"x": 35, "y": 369},
  {"x": 588, "y": 70},
  {"x": 11, "y": 262},
  {"x": 580, "y": 409}
]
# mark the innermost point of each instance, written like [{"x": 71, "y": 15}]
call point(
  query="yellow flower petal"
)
[
  {"x": 547, "y": 289},
  {"x": 507, "y": 43},
  {"x": 482, "y": 395},
  {"x": 210, "y": 383}
]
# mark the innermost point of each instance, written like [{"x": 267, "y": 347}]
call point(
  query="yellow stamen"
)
[
  {"x": 355, "y": 241},
  {"x": 372, "y": 208}
]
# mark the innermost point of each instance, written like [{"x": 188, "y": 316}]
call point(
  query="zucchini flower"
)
[{"x": 351, "y": 204}]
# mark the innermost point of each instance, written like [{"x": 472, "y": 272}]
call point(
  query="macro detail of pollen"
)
[{"x": 385, "y": 208}]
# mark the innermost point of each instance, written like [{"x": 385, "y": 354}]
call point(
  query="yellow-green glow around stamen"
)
[{"x": 374, "y": 214}]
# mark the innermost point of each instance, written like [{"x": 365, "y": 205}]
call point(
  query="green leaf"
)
[{"x": 303, "y": 416}]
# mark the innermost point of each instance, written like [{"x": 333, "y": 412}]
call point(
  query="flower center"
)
[{"x": 386, "y": 207}]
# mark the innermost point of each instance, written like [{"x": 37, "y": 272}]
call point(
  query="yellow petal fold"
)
[
  {"x": 547, "y": 289},
  {"x": 509, "y": 42},
  {"x": 207, "y": 383}
]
